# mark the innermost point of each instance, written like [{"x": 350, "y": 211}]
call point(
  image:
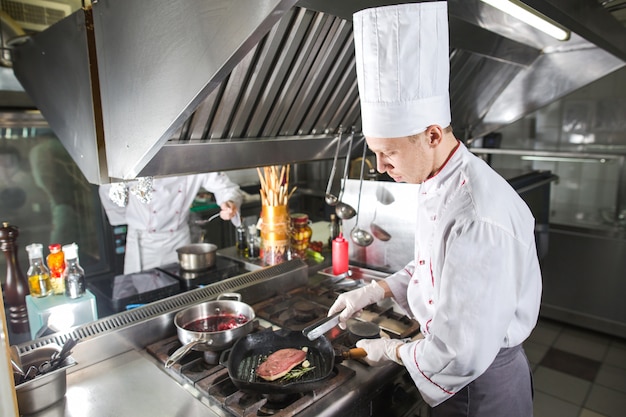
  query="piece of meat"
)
[{"x": 279, "y": 363}]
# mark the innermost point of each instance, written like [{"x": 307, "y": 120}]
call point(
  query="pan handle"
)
[
  {"x": 182, "y": 351},
  {"x": 224, "y": 356},
  {"x": 354, "y": 353}
]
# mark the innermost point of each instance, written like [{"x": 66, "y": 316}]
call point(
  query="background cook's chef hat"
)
[{"x": 403, "y": 68}]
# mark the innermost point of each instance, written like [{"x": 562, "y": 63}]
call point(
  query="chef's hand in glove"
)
[
  {"x": 228, "y": 210},
  {"x": 352, "y": 302},
  {"x": 380, "y": 351}
]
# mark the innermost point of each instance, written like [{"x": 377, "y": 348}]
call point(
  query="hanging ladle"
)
[
  {"x": 345, "y": 211},
  {"x": 384, "y": 197},
  {"x": 330, "y": 198},
  {"x": 359, "y": 236}
]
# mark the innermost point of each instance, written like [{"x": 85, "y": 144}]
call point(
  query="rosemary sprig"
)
[{"x": 297, "y": 373}]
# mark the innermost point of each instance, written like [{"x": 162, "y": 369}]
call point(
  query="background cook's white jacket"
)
[
  {"x": 475, "y": 283},
  {"x": 160, "y": 226}
]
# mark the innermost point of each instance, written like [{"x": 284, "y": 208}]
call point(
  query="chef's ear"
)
[{"x": 434, "y": 134}]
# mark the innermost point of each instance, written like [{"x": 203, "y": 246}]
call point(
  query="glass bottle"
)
[
  {"x": 74, "y": 274},
  {"x": 300, "y": 234},
  {"x": 56, "y": 264},
  {"x": 241, "y": 244},
  {"x": 333, "y": 229},
  {"x": 254, "y": 243},
  {"x": 38, "y": 273}
]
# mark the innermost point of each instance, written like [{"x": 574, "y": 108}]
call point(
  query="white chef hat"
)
[{"x": 403, "y": 68}]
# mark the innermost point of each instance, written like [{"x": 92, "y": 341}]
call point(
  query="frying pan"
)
[{"x": 251, "y": 350}]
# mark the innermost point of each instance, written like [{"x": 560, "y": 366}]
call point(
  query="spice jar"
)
[
  {"x": 74, "y": 274},
  {"x": 56, "y": 264},
  {"x": 300, "y": 234}
]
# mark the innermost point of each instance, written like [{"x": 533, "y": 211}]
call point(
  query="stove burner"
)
[
  {"x": 276, "y": 403},
  {"x": 304, "y": 311},
  {"x": 211, "y": 357}
]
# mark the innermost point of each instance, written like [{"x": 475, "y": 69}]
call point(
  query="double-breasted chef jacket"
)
[
  {"x": 475, "y": 283},
  {"x": 157, "y": 227}
]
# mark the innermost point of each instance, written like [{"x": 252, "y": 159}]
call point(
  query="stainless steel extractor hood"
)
[{"x": 192, "y": 86}]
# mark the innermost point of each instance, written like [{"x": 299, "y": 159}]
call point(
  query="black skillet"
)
[{"x": 251, "y": 350}]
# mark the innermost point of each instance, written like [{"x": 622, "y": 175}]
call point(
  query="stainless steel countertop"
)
[{"x": 128, "y": 384}]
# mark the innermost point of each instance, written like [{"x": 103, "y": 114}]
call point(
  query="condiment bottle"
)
[
  {"x": 333, "y": 229},
  {"x": 340, "y": 255},
  {"x": 300, "y": 234},
  {"x": 38, "y": 273},
  {"x": 254, "y": 243},
  {"x": 56, "y": 264},
  {"x": 74, "y": 274},
  {"x": 241, "y": 244}
]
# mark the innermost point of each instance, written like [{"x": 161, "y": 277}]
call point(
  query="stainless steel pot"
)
[
  {"x": 197, "y": 256},
  {"x": 211, "y": 340}
]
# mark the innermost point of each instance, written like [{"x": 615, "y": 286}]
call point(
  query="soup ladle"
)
[
  {"x": 342, "y": 210},
  {"x": 330, "y": 198},
  {"x": 360, "y": 236}
]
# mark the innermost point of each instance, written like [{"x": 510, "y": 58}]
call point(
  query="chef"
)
[
  {"x": 156, "y": 211},
  {"x": 474, "y": 284}
]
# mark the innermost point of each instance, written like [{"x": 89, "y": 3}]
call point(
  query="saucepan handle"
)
[{"x": 182, "y": 351}]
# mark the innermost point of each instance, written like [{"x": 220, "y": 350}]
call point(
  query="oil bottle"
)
[{"x": 38, "y": 273}]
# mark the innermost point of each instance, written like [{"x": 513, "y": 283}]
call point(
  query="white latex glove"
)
[
  {"x": 380, "y": 351},
  {"x": 352, "y": 302}
]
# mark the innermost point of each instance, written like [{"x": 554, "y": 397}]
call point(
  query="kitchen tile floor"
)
[{"x": 577, "y": 372}]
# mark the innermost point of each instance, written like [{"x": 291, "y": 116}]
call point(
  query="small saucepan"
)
[
  {"x": 197, "y": 256},
  {"x": 251, "y": 350},
  {"x": 212, "y": 325}
]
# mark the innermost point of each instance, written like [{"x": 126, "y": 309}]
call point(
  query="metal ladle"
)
[
  {"x": 359, "y": 236},
  {"x": 345, "y": 211},
  {"x": 384, "y": 197},
  {"x": 331, "y": 199}
]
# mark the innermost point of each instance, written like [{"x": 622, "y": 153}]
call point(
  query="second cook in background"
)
[
  {"x": 157, "y": 213},
  {"x": 474, "y": 284}
]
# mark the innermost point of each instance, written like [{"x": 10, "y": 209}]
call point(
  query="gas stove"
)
[{"x": 295, "y": 310}]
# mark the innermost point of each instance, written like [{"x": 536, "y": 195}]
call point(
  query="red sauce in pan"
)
[{"x": 216, "y": 323}]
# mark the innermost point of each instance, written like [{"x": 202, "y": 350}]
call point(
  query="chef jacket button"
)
[
  {"x": 415, "y": 281},
  {"x": 422, "y": 262},
  {"x": 154, "y": 211},
  {"x": 433, "y": 218},
  {"x": 171, "y": 230},
  {"x": 153, "y": 230},
  {"x": 177, "y": 211},
  {"x": 430, "y": 301}
]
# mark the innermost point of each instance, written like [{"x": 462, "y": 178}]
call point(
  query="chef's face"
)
[{"x": 405, "y": 159}]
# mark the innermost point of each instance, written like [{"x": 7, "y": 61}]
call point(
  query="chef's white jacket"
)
[
  {"x": 475, "y": 283},
  {"x": 158, "y": 227}
]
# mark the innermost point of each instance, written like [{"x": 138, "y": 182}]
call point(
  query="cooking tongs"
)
[{"x": 318, "y": 329}]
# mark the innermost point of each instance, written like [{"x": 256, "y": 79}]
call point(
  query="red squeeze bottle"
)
[{"x": 340, "y": 255}]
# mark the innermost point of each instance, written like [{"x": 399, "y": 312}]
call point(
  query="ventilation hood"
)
[{"x": 178, "y": 87}]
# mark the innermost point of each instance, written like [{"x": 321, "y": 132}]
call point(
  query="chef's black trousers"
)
[{"x": 504, "y": 390}]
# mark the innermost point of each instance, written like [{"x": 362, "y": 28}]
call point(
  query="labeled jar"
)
[
  {"x": 300, "y": 234},
  {"x": 38, "y": 274},
  {"x": 74, "y": 274},
  {"x": 56, "y": 264}
]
